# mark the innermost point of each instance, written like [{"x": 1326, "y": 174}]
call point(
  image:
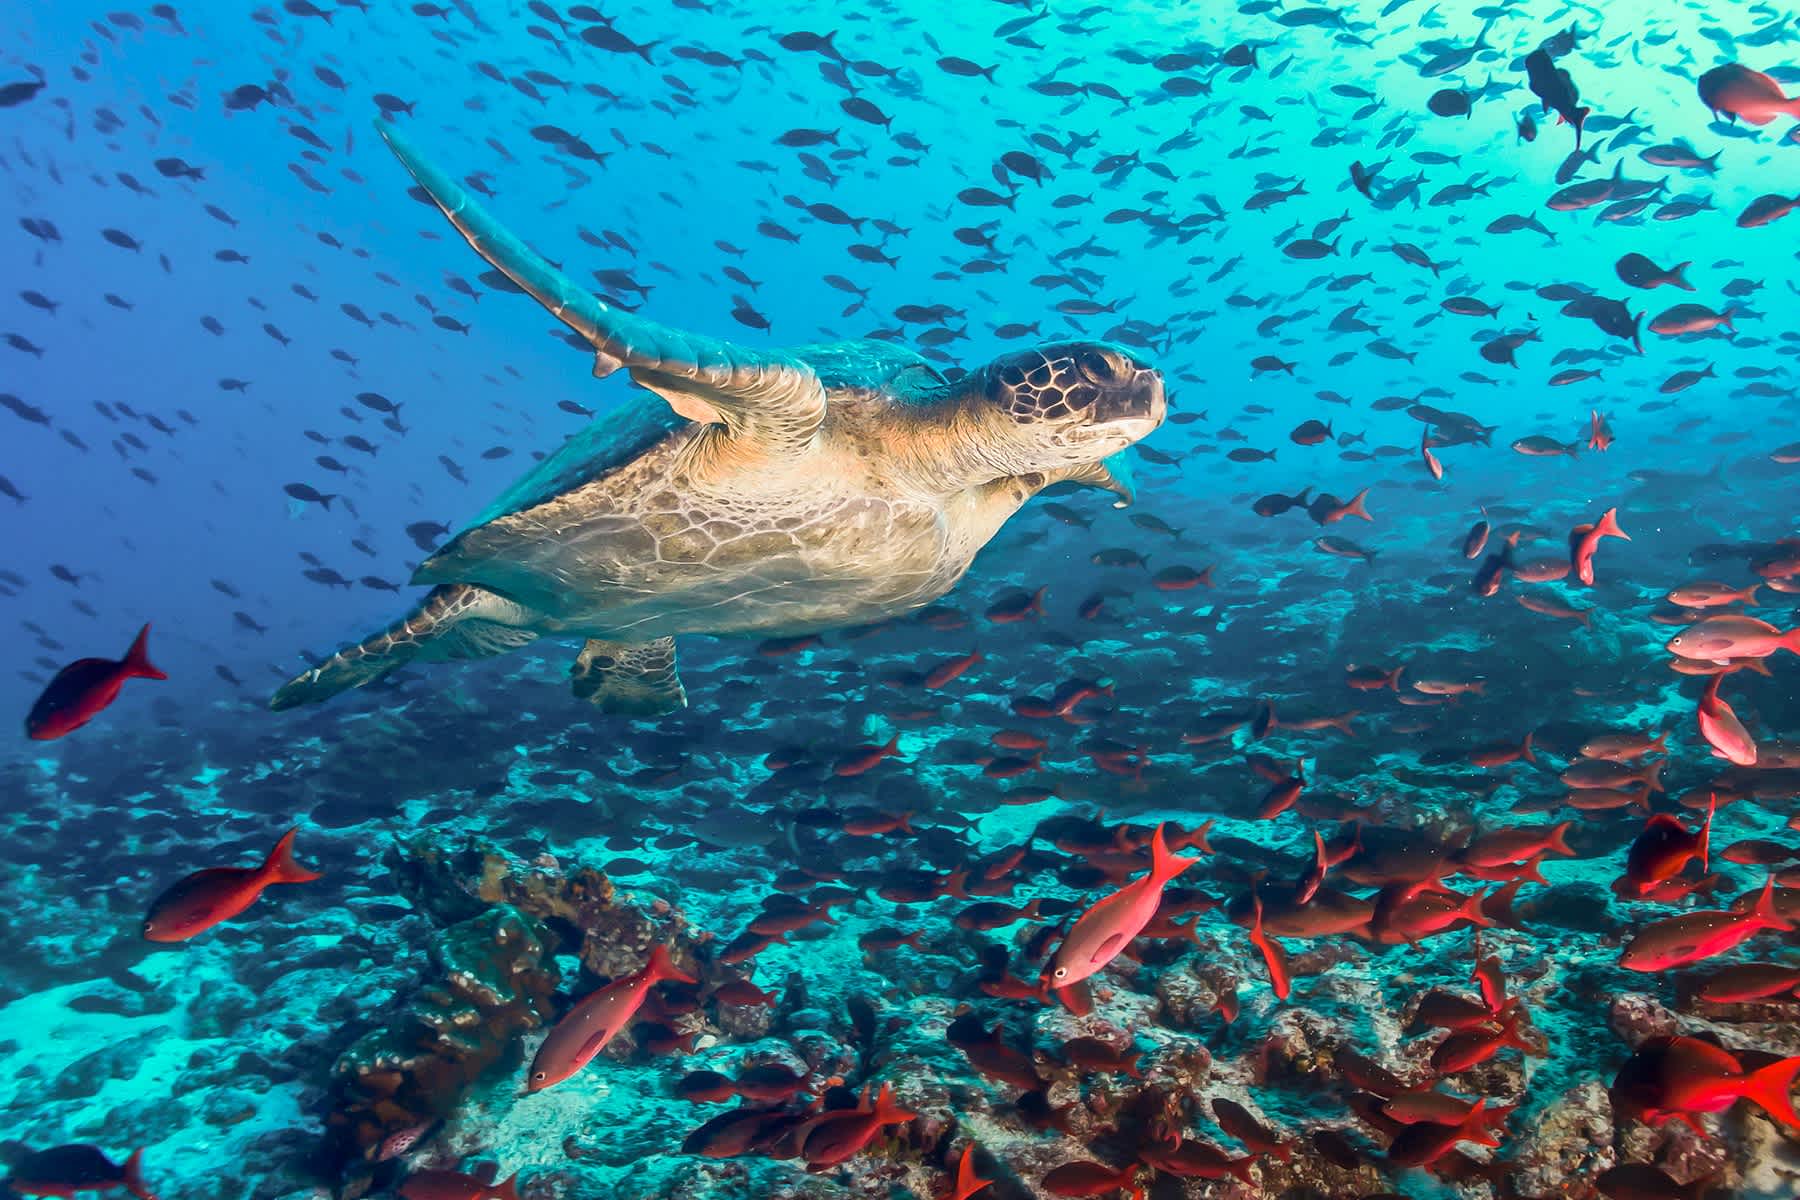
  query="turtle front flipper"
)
[
  {"x": 770, "y": 399},
  {"x": 635, "y": 679},
  {"x": 457, "y": 620},
  {"x": 1110, "y": 474}
]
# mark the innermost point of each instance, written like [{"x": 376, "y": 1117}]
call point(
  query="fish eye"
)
[
  {"x": 1099, "y": 366},
  {"x": 1060, "y": 972}
]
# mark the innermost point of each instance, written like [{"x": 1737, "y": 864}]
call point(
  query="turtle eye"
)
[{"x": 1100, "y": 367}]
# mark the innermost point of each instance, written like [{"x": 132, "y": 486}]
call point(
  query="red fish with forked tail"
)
[
  {"x": 1104, "y": 930},
  {"x": 1670, "y": 1077},
  {"x": 586, "y": 1029},
  {"x": 72, "y": 1170},
  {"x": 86, "y": 686},
  {"x": 1695, "y": 936},
  {"x": 205, "y": 898},
  {"x": 1584, "y": 539}
]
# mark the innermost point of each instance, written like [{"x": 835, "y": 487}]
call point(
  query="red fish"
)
[
  {"x": 205, "y": 898},
  {"x": 1504, "y": 846},
  {"x": 861, "y": 758},
  {"x": 1273, "y": 954},
  {"x": 85, "y": 687},
  {"x": 840, "y": 1135},
  {"x": 1021, "y": 607},
  {"x": 1585, "y": 539},
  {"x": 951, "y": 668},
  {"x": 1732, "y": 636},
  {"x": 1471, "y": 1047},
  {"x": 1695, "y": 936},
  {"x": 72, "y": 1170},
  {"x": 705, "y": 1087},
  {"x": 967, "y": 1181},
  {"x": 1081, "y": 1178},
  {"x": 1739, "y": 91},
  {"x": 1431, "y": 460},
  {"x": 1191, "y": 1158},
  {"x": 1243, "y": 1125},
  {"x": 454, "y": 1185},
  {"x": 1425, "y": 1142},
  {"x": 1664, "y": 850},
  {"x": 1283, "y": 795},
  {"x": 1101, "y": 932},
  {"x": 1750, "y": 981},
  {"x": 1681, "y": 1077},
  {"x": 1600, "y": 437},
  {"x": 1406, "y": 914},
  {"x": 596, "y": 1019},
  {"x": 1720, "y": 726},
  {"x": 1490, "y": 979},
  {"x": 1308, "y": 885}
]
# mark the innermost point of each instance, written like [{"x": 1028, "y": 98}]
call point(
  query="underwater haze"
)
[{"x": 900, "y": 600}]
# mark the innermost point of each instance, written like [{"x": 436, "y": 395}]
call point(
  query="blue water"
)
[{"x": 156, "y": 485}]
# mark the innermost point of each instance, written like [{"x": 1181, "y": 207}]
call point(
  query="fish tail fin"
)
[
  {"x": 1355, "y": 507},
  {"x": 1790, "y": 641},
  {"x": 1037, "y": 601},
  {"x": 1525, "y": 750},
  {"x": 1652, "y": 777},
  {"x": 506, "y": 1189},
  {"x": 1197, "y": 840},
  {"x": 280, "y": 866},
  {"x": 1473, "y": 913},
  {"x": 661, "y": 967},
  {"x": 1768, "y": 1090},
  {"x": 1165, "y": 864},
  {"x": 1765, "y": 908},
  {"x": 1678, "y": 275},
  {"x": 1558, "y": 837},
  {"x": 1608, "y": 526},
  {"x": 137, "y": 659},
  {"x": 887, "y": 1109},
  {"x": 134, "y": 1176},
  {"x": 1393, "y": 679}
]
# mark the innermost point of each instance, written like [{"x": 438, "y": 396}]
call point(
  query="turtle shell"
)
[
  {"x": 622, "y": 434},
  {"x": 606, "y": 443}
]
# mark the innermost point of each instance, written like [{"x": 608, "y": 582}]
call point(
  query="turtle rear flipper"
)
[
  {"x": 636, "y": 679},
  {"x": 770, "y": 399},
  {"x": 457, "y": 620}
]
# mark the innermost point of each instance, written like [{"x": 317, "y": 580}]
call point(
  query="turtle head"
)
[{"x": 1067, "y": 405}]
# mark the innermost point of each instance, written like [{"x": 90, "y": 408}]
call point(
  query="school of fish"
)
[{"x": 1387, "y": 790}]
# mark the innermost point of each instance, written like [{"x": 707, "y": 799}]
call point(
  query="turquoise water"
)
[{"x": 224, "y": 305}]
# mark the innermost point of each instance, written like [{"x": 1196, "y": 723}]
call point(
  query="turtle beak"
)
[{"x": 1137, "y": 408}]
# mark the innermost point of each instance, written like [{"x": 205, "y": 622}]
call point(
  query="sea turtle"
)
[{"x": 768, "y": 492}]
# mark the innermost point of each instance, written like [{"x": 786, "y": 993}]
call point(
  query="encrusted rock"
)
[
  {"x": 492, "y": 980},
  {"x": 1637, "y": 1018},
  {"x": 1568, "y": 1140}
]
